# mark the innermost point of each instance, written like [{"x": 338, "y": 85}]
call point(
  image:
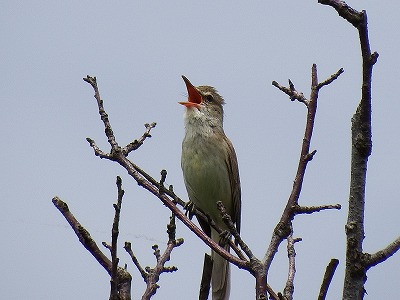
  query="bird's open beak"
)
[{"x": 194, "y": 97}]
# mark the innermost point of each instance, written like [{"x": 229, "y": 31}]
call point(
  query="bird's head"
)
[{"x": 204, "y": 103}]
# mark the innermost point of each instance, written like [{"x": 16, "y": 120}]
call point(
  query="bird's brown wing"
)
[{"x": 235, "y": 184}]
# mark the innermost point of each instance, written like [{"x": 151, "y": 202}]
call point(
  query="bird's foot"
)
[
  {"x": 224, "y": 238},
  {"x": 189, "y": 208}
]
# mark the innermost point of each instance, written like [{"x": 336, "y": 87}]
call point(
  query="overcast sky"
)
[{"x": 138, "y": 50}]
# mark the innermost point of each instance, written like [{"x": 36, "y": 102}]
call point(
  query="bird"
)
[{"x": 210, "y": 171}]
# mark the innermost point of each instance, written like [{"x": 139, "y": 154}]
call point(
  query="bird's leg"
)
[
  {"x": 224, "y": 238},
  {"x": 189, "y": 208}
]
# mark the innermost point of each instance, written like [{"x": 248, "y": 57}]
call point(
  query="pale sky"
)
[{"x": 138, "y": 50}]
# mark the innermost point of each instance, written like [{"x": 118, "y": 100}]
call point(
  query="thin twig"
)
[
  {"x": 330, "y": 79},
  {"x": 329, "y": 272},
  {"x": 312, "y": 209},
  {"x": 83, "y": 235},
  {"x": 103, "y": 115},
  {"x": 291, "y": 92},
  {"x": 128, "y": 249},
  {"x": 382, "y": 255},
  {"x": 206, "y": 277},
  {"x": 114, "y": 240},
  {"x": 232, "y": 229},
  {"x": 289, "y": 287},
  {"x": 139, "y": 142},
  {"x": 152, "y": 275}
]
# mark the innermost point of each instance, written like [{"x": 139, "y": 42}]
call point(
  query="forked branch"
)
[
  {"x": 284, "y": 229},
  {"x": 120, "y": 277}
]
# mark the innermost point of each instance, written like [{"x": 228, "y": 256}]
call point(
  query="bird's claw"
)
[
  {"x": 224, "y": 238},
  {"x": 189, "y": 208}
]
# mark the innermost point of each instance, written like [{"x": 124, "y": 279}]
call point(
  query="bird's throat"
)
[{"x": 198, "y": 125}]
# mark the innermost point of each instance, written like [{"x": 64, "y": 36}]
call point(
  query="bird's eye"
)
[{"x": 209, "y": 98}]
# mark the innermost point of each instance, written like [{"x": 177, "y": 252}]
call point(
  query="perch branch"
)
[
  {"x": 168, "y": 198},
  {"x": 255, "y": 263}
]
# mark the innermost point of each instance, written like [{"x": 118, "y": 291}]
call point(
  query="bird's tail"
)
[{"x": 221, "y": 277}]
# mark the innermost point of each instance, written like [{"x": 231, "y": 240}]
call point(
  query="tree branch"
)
[
  {"x": 255, "y": 264},
  {"x": 83, "y": 235},
  {"x": 152, "y": 275},
  {"x": 291, "y": 92},
  {"x": 346, "y": 12},
  {"x": 355, "y": 273},
  {"x": 289, "y": 287},
  {"x": 128, "y": 249},
  {"x": 206, "y": 277},
  {"x": 330, "y": 79},
  {"x": 120, "y": 278},
  {"x": 312, "y": 209},
  {"x": 103, "y": 115},
  {"x": 139, "y": 142},
  {"x": 284, "y": 227},
  {"x": 382, "y": 255},
  {"x": 329, "y": 272},
  {"x": 167, "y": 197},
  {"x": 114, "y": 293}
]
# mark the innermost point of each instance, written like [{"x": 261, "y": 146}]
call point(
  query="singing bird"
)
[{"x": 210, "y": 171}]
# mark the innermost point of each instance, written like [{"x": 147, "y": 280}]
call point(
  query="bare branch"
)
[
  {"x": 348, "y": 13},
  {"x": 310, "y": 156},
  {"x": 232, "y": 229},
  {"x": 206, "y": 277},
  {"x": 384, "y": 254},
  {"x": 106, "y": 245},
  {"x": 291, "y": 92},
  {"x": 114, "y": 294},
  {"x": 139, "y": 142},
  {"x": 152, "y": 275},
  {"x": 329, "y": 272},
  {"x": 128, "y": 249},
  {"x": 284, "y": 228},
  {"x": 312, "y": 209},
  {"x": 355, "y": 273},
  {"x": 289, "y": 287},
  {"x": 97, "y": 150},
  {"x": 255, "y": 263},
  {"x": 83, "y": 235},
  {"x": 330, "y": 79},
  {"x": 161, "y": 187},
  {"x": 103, "y": 115},
  {"x": 120, "y": 278}
]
